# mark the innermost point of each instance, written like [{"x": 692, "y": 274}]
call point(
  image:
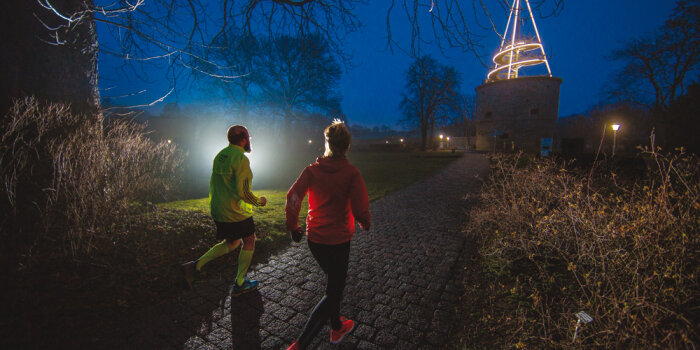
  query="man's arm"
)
[
  {"x": 243, "y": 178},
  {"x": 295, "y": 196}
]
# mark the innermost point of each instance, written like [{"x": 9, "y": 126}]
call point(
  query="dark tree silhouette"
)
[
  {"x": 656, "y": 67},
  {"x": 42, "y": 62},
  {"x": 236, "y": 55},
  {"x": 430, "y": 88},
  {"x": 298, "y": 73},
  {"x": 52, "y": 50}
]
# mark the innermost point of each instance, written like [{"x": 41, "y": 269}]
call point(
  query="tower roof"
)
[{"x": 519, "y": 48}]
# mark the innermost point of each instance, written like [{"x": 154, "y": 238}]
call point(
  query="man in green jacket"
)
[{"x": 231, "y": 204}]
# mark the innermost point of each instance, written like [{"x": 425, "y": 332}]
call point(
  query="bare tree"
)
[
  {"x": 171, "y": 34},
  {"x": 465, "y": 106},
  {"x": 297, "y": 73},
  {"x": 656, "y": 67},
  {"x": 430, "y": 87},
  {"x": 236, "y": 56},
  {"x": 451, "y": 23}
]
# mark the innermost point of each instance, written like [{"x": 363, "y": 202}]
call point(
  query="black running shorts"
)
[{"x": 232, "y": 231}]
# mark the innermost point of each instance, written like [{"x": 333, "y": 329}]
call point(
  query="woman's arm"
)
[
  {"x": 295, "y": 196},
  {"x": 359, "y": 201}
]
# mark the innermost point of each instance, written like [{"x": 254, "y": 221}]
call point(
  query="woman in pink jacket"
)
[{"x": 337, "y": 196}]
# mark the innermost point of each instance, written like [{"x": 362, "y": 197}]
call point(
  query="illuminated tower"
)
[
  {"x": 515, "y": 111},
  {"x": 518, "y": 50}
]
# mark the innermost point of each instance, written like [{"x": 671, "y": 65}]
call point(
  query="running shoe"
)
[
  {"x": 347, "y": 327},
  {"x": 190, "y": 271},
  {"x": 247, "y": 286}
]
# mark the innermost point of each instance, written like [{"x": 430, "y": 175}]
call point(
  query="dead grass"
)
[{"x": 554, "y": 242}]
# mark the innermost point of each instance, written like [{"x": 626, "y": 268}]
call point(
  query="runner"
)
[
  {"x": 337, "y": 195},
  {"x": 231, "y": 203}
]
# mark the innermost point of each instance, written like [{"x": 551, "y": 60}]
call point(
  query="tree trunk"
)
[{"x": 65, "y": 73}]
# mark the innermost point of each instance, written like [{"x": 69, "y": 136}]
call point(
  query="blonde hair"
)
[{"x": 337, "y": 139}]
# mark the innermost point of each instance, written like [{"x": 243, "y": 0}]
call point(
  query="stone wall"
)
[{"x": 524, "y": 110}]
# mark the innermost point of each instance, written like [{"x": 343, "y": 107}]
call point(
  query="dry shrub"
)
[
  {"x": 67, "y": 178},
  {"x": 623, "y": 250}
]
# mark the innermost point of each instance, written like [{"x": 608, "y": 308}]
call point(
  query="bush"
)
[
  {"x": 67, "y": 178},
  {"x": 623, "y": 250}
]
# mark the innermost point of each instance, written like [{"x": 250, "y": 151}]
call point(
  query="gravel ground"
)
[{"x": 403, "y": 283}]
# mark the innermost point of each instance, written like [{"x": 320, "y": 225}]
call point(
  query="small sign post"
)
[{"x": 582, "y": 316}]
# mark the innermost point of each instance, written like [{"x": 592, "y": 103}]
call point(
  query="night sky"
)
[{"x": 577, "y": 42}]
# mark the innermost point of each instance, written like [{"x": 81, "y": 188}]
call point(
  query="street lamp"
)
[
  {"x": 441, "y": 136},
  {"x": 614, "y": 127},
  {"x": 310, "y": 142}
]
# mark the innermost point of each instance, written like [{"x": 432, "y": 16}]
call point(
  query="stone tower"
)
[{"x": 515, "y": 112}]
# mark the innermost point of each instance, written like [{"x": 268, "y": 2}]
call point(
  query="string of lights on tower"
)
[{"x": 518, "y": 50}]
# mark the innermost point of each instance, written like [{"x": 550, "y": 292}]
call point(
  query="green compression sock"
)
[
  {"x": 244, "y": 258},
  {"x": 213, "y": 253}
]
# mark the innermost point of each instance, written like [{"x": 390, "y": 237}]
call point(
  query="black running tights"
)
[{"x": 334, "y": 262}]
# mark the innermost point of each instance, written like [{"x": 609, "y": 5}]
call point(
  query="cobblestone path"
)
[{"x": 403, "y": 281}]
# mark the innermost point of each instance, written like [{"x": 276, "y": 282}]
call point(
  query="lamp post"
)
[{"x": 614, "y": 127}]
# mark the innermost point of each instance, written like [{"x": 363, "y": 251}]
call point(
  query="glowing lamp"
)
[
  {"x": 441, "y": 136},
  {"x": 310, "y": 142},
  {"x": 615, "y": 127},
  {"x": 401, "y": 140},
  {"x": 387, "y": 141},
  {"x": 448, "y": 138},
  {"x": 170, "y": 141}
]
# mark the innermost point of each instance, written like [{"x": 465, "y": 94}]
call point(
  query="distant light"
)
[
  {"x": 448, "y": 138},
  {"x": 170, "y": 141},
  {"x": 401, "y": 140},
  {"x": 310, "y": 142},
  {"x": 441, "y": 136},
  {"x": 387, "y": 141},
  {"x": 615, "y": 127}
]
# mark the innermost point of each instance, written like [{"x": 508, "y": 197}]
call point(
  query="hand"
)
[
  {"x": 297, "y": 234},
  {"x": 263, "y": 201}
]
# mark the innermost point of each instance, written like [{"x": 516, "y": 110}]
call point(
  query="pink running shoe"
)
[{"x": 347, "y": 327}]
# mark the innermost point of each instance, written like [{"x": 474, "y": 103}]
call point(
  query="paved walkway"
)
[{"x": 403, "y": 281}]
